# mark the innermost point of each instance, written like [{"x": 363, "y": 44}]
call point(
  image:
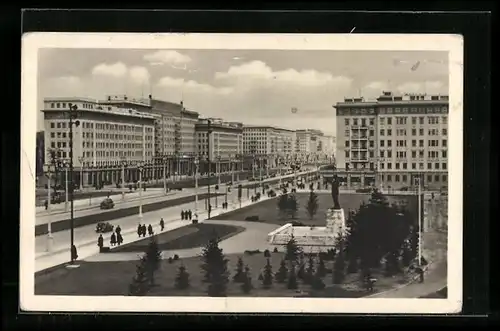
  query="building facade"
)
[
  {"x": 106, "y": 137},
  {"x": 393, "y": 140},
  {"x": 268, "y": 145},
  {"x": 175, "y": 139},
  {"x": 223, "y": 147}
]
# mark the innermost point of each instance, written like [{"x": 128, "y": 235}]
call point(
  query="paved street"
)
[
  {"x": 86, "y": 238},
  {"x": 155, "y": 196}
]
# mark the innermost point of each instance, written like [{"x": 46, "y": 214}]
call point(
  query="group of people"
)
[
  {"x": 224, "y": 205},
  {"x": 188, "y": 215},
  {"x": 116, "y": 238},
  {"x": 141, "y": 230}
]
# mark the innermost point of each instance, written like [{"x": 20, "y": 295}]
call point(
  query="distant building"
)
[
  {"x": 393, "y": 140},
  {"x": 225, "y": 146},
  {"x": 106, "y": 137}
]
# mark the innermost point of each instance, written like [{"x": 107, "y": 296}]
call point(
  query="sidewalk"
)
[{"x": 86, "y": 248}]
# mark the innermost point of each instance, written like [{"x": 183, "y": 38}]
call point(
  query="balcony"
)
[
  {"x": 359, "y": 127},
  {"x": 359, "y": 148}
]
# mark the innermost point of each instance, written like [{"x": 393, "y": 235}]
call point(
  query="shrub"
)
[
  {"x": 275, "y": 250},
  {"x": 176, "y": 257},
  {"x": 182, "y": 279},
  {"x": 239, "y": 274},
  {"x": 267, "y": 277},
  {"x": 267, "y": 253},
  {"x": 282, "y": 273},
  {"x": 247, "y": 285},
  {"x": 170, "y": 260}
]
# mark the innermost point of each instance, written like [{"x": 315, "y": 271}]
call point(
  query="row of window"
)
[
  {"x": 404, "y": 178},
  {"x": 404, "y": 166},
  {"x": 398, "y": 120}
]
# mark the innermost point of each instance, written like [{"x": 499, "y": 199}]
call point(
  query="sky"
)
[{"x": 256, "y": 87}]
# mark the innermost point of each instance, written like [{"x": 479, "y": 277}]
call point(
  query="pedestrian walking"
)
[
  {"x": 119, "y": 238},
  {"x": 100, "y": 242},
  {"x": 143, "y": 230},
  {"x": 113, "y": 239},
  {"x": 150, "y": 230},
  {"x": 139, "y": 230},
  {"x": 46, "y": 204},
  {"x": 162, "y": 224},
  {"x": 190, "y": 214},
  {"x": 74, "y": 253},
  {"x": 118, "y": 230},
  {"x": 182, "y": 215}
]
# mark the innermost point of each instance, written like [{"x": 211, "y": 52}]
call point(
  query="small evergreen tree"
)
[
  {"x": 152, "y": 260},
  {"x": 292, "y": 283},
  {"x": 309, "y": 271},
  {"x": 140, "y": 283},
  {"x": 247, "y": 286},
  {"x": 317, "y": 281},
  {"x": 293, "y": 206},
  {"x": 283, "y": 204},
  {"x": 406, "y": 256},
  {"x": 292, "y": 251},
  {"x": 267, "y": 280},
  {"x": 215, "y": 268},
  {"x": 240, "y": 273},
  {"x": 182, "y": 279},
  {"x": 282, "y": 273},
  {"x": 321, "y": 270},
  {"x": 312, "y": 205}
]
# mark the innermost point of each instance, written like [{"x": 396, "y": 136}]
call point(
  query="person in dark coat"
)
[
  {"x": 118, "y": 230},
  {"x": 162, "y": 224},
  {"x": 139, "y": 230},
  {"x": 190, "y": 214},
  {"x": 46, "y": 204},
  {"x": 143, "y": 230},
  {"x": 150, "y": 230},
  {"x": 119, "y": 238},
  {"x": 100, "y": 242},
  {"x": 74, "y": 253},
  {"x": 113, "y": 239},
  {"x": 182, "y": 215}
]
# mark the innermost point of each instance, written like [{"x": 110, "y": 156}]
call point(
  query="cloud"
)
[
  {"x": 192, "y": 85},
  {"x": 118, "y": 69},
  {"x": 139, "y": 75},
  {"x": 422, "y": 87},
  {"x": 380, "y": 86},
  {"x": 168, "y": 57},
  {"x": 63, "y": 86},
  {"x": 258, "y": 72}
]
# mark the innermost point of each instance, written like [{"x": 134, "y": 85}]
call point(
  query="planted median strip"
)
[{"x": 118, "y": 213}]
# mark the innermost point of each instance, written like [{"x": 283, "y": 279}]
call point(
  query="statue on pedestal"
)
[{"x": 335, "y": 193}]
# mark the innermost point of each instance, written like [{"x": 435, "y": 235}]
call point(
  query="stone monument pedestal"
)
[{"x": 335, "y": 221}]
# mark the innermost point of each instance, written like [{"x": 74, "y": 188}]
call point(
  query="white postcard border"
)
[{"x": 31, "y": 44}]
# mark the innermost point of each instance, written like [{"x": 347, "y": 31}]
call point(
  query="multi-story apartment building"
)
[
  {"x": 106, "y": 137},
  {"x": 392, "y": 140},
  {"x": 314, "y": 146},
  {"x": 268, "y": 144},
  {"x": 223, "y": 147},
  {"x": 175, "y": 141},
  {"x": 325, "y": 148}
]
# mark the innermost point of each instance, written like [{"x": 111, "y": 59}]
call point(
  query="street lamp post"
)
[
  {"x": 66, "y": 190},
  {"x": 164, "y": 175},
  {"x": 232, "y": 170},
  {"x": 123, "y": 164},
  {"x": 49, "y": 169},
  {"x": 217, "y": 169},
  {"x": 141, "y": 169},
  {"x": 196, "y": 164},
  {"x": 420, "y": 230},
  {"x": 81, "y": 159},
  {"x": 72, "y": 116},
  {"x": 260, "y": 175}
]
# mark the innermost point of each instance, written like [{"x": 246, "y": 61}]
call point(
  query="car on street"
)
[{"x": 107, "y": 204}]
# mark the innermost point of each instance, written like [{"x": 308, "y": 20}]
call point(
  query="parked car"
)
[
  {"x": 104, "y": 227},
  {"x": 107, "y": 204},
  {"x": 364, "y": 190}
]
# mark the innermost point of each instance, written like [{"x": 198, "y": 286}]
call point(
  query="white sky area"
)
[{"x": 256, "y": 87}]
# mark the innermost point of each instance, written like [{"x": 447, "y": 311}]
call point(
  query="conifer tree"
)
[
  {"x": 140, "y": 283},
  {"x": 182, "y": 279},
  {"x": 267, "y": 280},
  {"x": 309, "y": 270},
  {"x": 282, "y": 273},
  {"x": 292, "y": 250},
  {"x": 312, "y": 205},
  {"x": 292, "y": 283},
  {"x": 247, "y": 285},
  {"x": 317, "y": 281},
  {"x": 152, "y": 260},
  {"x": 292, "y": 206},
  {"x": 215, "y": 268},
  {"x": 239, "y": 273},
  {"x": 321, "y": 270}
]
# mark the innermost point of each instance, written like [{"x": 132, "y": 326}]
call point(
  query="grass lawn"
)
[
  {"x": 190, "y": 236},
  {"x": 268, "y": 210},
  {"x": 113, "y": 278}
]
